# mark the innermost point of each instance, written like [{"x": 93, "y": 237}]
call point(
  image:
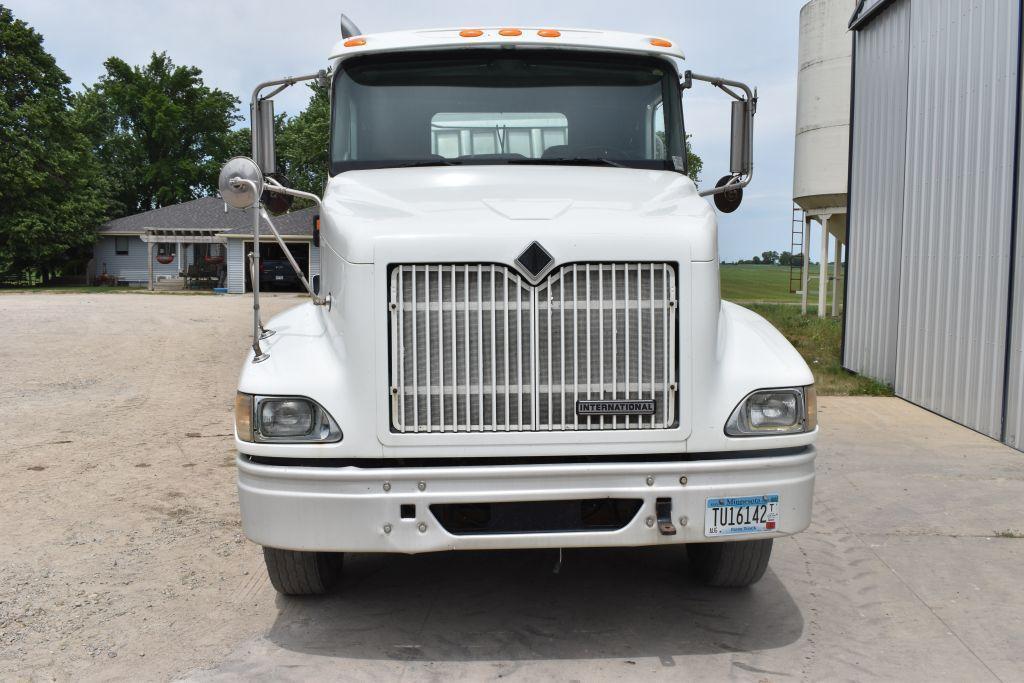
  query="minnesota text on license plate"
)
[{"x": 741, "y": 515}]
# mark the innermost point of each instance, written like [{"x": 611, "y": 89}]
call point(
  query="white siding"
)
[
  {"x": 876, "y": 194},
  {"x": 236, "y": 266},
  {"x": 957, "y": 215},
  {"x": 131, "y": 266}
]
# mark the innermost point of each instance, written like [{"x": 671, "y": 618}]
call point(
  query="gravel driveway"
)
[{"x": 122, "y": 557}]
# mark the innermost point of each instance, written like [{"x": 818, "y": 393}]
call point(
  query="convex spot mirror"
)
[
  {"x": 240, "y": 195},
  {"x": 277, "y": 202},
  {"x": 730, "y": 200}
]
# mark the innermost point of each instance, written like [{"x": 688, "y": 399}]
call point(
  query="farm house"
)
[
  {"x": 200, "y": 244},
  {"x": 935, "y": 292}
]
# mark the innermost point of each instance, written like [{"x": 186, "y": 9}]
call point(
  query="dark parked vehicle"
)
[{"x": 278, "y": 274}]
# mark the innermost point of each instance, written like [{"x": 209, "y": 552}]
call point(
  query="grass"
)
[
  {"x": 1009, "y": 533},
  {"x": 745, "y": 284}
]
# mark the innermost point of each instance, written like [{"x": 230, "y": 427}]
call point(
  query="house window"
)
[{"x": 121, "y": 245}]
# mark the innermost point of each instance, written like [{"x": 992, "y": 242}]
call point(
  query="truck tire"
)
[
  {"x": 294, "y": 572},
  {"x": 731, "y": 564}
]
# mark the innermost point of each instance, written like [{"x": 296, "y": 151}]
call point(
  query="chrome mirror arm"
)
[
  {"x": 258, "y": 331},
  {"x": 274, "y": 186}
]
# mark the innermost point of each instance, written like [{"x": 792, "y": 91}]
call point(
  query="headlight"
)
[
  {"x": 775, "y": 411},
  {"x": 283, "y": 419}
]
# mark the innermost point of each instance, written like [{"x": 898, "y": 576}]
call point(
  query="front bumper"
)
[{"x": 358, "y": 509}]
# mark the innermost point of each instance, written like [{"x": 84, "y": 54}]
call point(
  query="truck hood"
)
[{"x": 429, "y": 207}]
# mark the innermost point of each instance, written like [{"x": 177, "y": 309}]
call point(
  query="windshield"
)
[{"x": 506, "y": 107}]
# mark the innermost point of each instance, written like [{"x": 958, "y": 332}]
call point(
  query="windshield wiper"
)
[
  {"x": 429, "y": 162},
  {"x": 575, "y": 161}
]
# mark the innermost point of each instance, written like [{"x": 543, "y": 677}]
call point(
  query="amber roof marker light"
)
[
  {"x": 471, "y": 33},
  {"x": 510, "y": 32},
  {"x": 661, "y": 42},
  {"x": 548, "y": 33},
  {"x": 354, "y": 42}
]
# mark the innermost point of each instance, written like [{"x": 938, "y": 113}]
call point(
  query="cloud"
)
[{"x": 240, "y": 44}]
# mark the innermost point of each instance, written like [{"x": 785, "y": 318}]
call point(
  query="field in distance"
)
[{"x": 768, "y": 284}]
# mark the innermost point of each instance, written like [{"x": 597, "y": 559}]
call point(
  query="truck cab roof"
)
[{"x": 503, "y": 37}]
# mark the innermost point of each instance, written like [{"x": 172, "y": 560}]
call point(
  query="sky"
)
[{"x": 238, "y": 44}]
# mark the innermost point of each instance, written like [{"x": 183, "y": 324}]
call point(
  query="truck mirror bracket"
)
[{"x": 741, "y": 158}]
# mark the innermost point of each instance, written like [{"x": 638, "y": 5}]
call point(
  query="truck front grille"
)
[{"x": 478, "y": 348}]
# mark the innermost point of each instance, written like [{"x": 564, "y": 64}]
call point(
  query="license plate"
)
[
  {"x": 279, "y": 277},
  {"x": 742, "y": 515}
]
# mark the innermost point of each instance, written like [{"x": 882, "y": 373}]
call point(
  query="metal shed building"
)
[{"x": 935, "y": 292}]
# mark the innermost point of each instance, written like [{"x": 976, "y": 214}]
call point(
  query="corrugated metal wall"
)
[
  {"x": 938, "y": 244},
  {"x": 955, "y": 258},
  {"x": 876, "y": 193},
  {"x": 1014, "y": 428}
]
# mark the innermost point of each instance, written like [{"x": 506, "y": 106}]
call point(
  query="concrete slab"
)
[{"x": 903, "y": 575}]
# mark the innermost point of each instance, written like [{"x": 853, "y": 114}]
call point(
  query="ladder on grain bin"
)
[{"x": 796, "y": 248}]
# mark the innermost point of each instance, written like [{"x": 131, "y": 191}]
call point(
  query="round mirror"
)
[
  {"x": 277, "y": 202},
  {"x": 727, "y": 202},
  {"x": 240, "y": 195}
]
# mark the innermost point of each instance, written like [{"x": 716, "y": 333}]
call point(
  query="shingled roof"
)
[{"x": 207, "y": 214}]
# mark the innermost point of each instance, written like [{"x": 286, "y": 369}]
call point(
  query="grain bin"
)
[{"x": 823, "y": 132}]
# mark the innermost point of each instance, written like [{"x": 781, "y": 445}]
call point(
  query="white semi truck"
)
[{"x": 517, "y": 338}]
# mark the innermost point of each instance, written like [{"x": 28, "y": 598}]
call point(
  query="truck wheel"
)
[
  {"x": 731, "y": 564},
  {"x": 293, "y": 572}
]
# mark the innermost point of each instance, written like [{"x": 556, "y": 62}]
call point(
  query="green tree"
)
[
  {"x": 785, "y": 258},
  {"x": 693, "y": 162},
  {"x": 160, "y": 132},
  {"x": 52, "y": 194},
  {"x": 302, "y": 144},
  {"x": 769, "y": 257}
]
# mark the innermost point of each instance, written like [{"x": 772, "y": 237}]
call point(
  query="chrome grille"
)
[
  {"x": 606, "y": 331},
  {"x": 477, "y": 348}
]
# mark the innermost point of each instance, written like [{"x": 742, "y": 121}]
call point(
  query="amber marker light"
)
[
  {"x": 355, "y": 42},
  {"x": 548, "y": 33},
  {"x": 510, "y": 32},
  {"x": 243, "y": 416},
  {"x": 660, "y": 42},
  {"x": 471, "y": 33}
]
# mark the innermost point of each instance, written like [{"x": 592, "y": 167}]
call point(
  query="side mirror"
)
[
  {"x": 277, "y": 202},
  {"x": 263, "y": 135},
  {"x": 729, "y": 200},
  {"x": 240, "y": 195},
  {"x": 728, "y": 192},
  {"x": 742, "y": 148},
  {"x": 316, "y": 230}
]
